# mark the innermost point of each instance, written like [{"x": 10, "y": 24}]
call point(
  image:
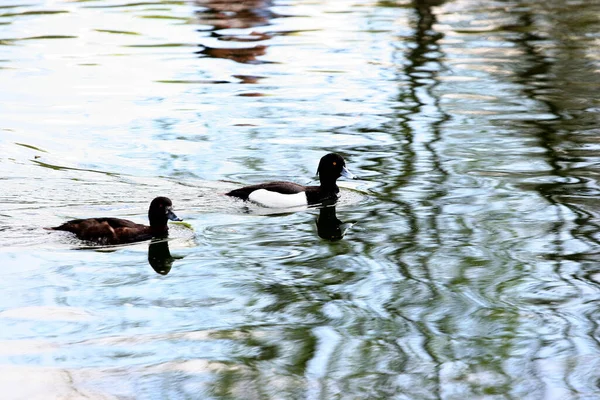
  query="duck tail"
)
[
  {"x": 63, "y": 227},
  {"x": 241, "y": 193}
]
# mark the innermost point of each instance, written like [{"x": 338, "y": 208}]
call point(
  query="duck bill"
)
[
  {"x": 346, "y": 173},
  {"x": 171, "y": 215}
]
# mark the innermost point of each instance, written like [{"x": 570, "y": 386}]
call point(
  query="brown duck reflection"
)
[
  {"x": 224, "y": 14},
  {"x": 228, "y": 14},
  {"x": 159, "y": 256},
  {"x": 241, "y": 55}
]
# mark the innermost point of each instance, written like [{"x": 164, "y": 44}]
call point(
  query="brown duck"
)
[{"x": 117, "y": 231}]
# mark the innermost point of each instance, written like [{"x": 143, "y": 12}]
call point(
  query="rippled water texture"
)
[{"x": 464, "y": 264}]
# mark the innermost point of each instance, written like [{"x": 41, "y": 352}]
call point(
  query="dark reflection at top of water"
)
[
  {"x": 223, "y": 14},
  {"x": 241, "y": 55}
]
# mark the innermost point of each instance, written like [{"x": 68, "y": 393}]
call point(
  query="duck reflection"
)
[
  {"x": 227, "y": 14},
  {"x": 244, "y": 55},
  {"x": 159, "y": 256},
  {"x": 329, "y": 227}
]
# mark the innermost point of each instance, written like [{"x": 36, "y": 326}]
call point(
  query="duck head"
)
[
  {"x": 160, "y": 211},
  {"x": 331, "y": 167}
]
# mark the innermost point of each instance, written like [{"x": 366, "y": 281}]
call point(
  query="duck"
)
[
  {"x": 105, "y": 230},
  {"x": 288, "y": 194}
]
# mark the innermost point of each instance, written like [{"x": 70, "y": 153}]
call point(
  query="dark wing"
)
[
  {"x": 119, "y": 223},
  {"x": 89, "y": 229},
  {"x": 78, "y": 224},
  {"x": 126, "y": 231},
  {"x": 278, "y": 187},
  {"x": 74, "y": 225}
]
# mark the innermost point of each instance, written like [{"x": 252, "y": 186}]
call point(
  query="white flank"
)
[{"x": 277, "y": 200}]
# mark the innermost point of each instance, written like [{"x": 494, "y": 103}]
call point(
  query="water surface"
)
[{"x": 464, "y": 263}]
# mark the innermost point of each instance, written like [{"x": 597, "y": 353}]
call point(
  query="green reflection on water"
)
[{"x": 31, "y": 147}]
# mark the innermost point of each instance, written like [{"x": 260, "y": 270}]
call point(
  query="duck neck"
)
[
  {"x": 158, "y": 227},
  {"x": 329, "y": 186},
  {"x": 159, "y": 231}
]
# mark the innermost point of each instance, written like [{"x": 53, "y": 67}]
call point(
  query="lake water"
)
[{"x": 464, "y": 264}]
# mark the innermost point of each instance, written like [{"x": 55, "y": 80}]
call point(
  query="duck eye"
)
[{"x": 334, "y": 163}]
